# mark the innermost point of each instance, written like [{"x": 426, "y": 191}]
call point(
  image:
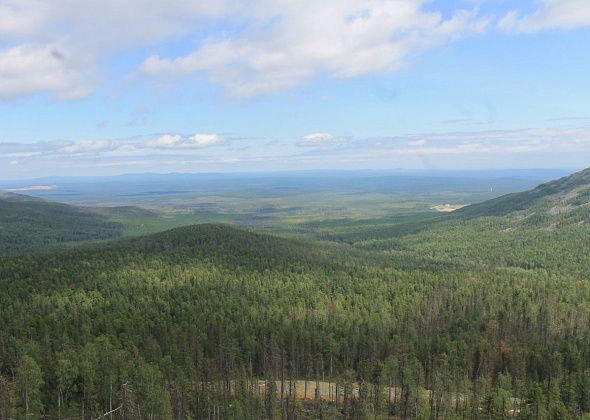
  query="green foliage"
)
[
  {"x": 465, "y": 316},
  {"x": 28, "y": 382},
  {"x": 527, "y": 200},
  {"x": 30, "y": 224},
  {"x": 178, "y": 317}
]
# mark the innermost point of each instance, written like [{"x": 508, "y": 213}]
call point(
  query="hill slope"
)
[
  {"x": 28, "y": 223},
  {"x": 178, "y": 317},
  {"x": 560, "y": 196},
  {"x": 230, "y": 247},
  {"x": 544, "y": 228}
]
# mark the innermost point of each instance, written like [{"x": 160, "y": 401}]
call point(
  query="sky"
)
[{"x": 105, "y": 87}]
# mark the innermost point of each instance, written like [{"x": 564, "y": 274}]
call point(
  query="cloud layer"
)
[
  {"x": 247, "y": 47},
  {"x": 289, "y": 42},
  {"x": 58, "y": 46},
  {"x": 211, "y": 152}
]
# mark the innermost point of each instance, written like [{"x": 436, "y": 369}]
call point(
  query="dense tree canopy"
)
[
  {"x": 481, "y": 314},
  {"x": 28, "y": 223},
  {"x": 186, "y": 323}
]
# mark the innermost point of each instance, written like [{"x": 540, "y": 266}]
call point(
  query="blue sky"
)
[{"x": 118, "y": 86}]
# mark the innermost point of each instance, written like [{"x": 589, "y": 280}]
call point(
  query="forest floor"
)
[{"x": 334, "y": 393}]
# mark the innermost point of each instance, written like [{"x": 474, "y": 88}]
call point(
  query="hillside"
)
[
  {"x": 547, "y": 227},
  {"x": 556, "y": 197},
  {"x": 456, "y": 315},
  {"x": 188, "y": 319},
  {"x": 231, "y": 247},
  {"x": 28, "y": 223}
]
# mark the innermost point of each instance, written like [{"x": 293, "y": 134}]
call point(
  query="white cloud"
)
[
  {"x": 204, "y": 140},
  {"x": 546, "y": 147},
  {"x": 176, "y": 141},
  {"x": 165, "y": 141},
  {"x": 29, "y": 69},
  {"x": 255, "y": 47},
  {"x": 85, "y": 146},
  {"x": 553, "y": 14},
  {"x": 22, "y": 17},
  {"x": 55, "y": 46},
  {"x": 320, "y": 140},
  {"x": 289, "y": 42},
  {"x": 107, "y": 24}
]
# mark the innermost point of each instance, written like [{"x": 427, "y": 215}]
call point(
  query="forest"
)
[{"x": 480, "y": 314}]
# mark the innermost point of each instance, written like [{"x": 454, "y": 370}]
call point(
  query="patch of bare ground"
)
[
  {"x": 332, "y": 392},
  {"x": 448, "y": 208}
]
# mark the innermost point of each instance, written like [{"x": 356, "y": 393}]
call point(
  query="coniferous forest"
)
[{"x": 483, "y": 313}]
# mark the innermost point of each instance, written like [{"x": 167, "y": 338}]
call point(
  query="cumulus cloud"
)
[
  {"x": 177, "y": 141},
  {"x": 289, "y": 42},
  {"x": 253, "y": 48},
  {"x": 553, "y": 14},
  {"x": 165, "y": 141},
  {"x": 55, "y": 46},
  {"x": 29, "y": 69},
  {"x": 205, "y": 140}
]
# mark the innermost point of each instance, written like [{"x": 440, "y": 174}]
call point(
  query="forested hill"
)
[
  {"x": 184, "y": 322},
  {"x": 230, "y": 247},
  {"x": 545, "y": 228},
  {"x": 459, "y": 316},
  {"x": 28, "y": 223},
  {"x": 562, "y": 195}
]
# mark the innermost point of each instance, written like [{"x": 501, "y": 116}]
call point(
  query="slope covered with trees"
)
[
  {"x": 27, "y": 223},
  {"x": 186, "y": 323},
  {"x": 547, "y": 228},
  {"x": 569, "y": 190},
  {"x": 444, "y": 318}
]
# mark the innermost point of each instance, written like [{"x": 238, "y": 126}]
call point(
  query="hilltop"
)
[{"x": 229, "y": 246}]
